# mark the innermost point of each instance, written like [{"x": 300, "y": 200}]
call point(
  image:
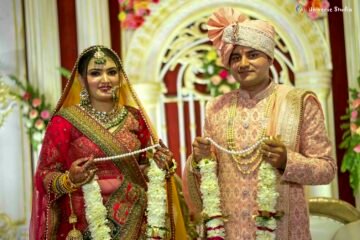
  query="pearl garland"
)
[
  {"x": 126, "y": 154},
  {"x": 246, "y": 150}
]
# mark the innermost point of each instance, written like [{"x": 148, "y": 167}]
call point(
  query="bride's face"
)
[{"x": 102, "y": 79}]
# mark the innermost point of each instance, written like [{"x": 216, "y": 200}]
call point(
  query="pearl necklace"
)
[
  {"x": 247, "y": 166},
  {"x": 127, "y": 154},
  {"x": 238, "y": 152},
  {"x": 230, "y": 127}
]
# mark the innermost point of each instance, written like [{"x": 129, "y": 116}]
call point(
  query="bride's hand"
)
[
  {"x": 82, "y": 170},
  {"x": 163, "y": 157}
]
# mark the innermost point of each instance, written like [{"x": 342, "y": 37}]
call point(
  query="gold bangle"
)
[
  {"x": 55, "y": 183},
  {"x": 60, "y": 184},
  {"x": 67, "y": 184}
]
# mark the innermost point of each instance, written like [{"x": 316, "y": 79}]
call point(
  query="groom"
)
[{"x": 292, "y": 122}]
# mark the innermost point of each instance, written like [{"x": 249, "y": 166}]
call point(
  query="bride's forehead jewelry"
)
[{"x": 99, "y": 58}]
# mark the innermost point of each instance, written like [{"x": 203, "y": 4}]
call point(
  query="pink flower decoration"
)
[
  {"x": 134, "y": 11},
  {"x": 354, "y": 115},
  {"x": 36, "y": 102},
  {"x": 133, "y": 21},
  {"x": 356, "y": 103},
  {"x": 313, "y": 15},
  {"x": 39, "y": 124},
  {"x": 357, "y": 148},
  {"x": 325, "y": 4},
  {"x": 353, "y": 127},
  {"x": 141, "y": 12},
  {"x": 223, "y": 74},
  {"x": 26, "y": 96},
  {"x": 33, "y": 114},
  {"x": 45, "y": 114}
]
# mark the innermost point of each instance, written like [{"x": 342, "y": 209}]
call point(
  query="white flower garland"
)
[
  {"x": 209, "y": 188},
  {"x": 156, "y": 207},
  {"x": 266, "y": 200},
  {"x": 95, "y": 211},
  {"x": 266, "y": 197}
]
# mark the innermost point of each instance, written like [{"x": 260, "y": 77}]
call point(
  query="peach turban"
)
[{"x": 227, "y": 28}]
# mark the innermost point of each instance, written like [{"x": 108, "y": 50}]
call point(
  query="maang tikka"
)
[{"x": 99, "y": 58}]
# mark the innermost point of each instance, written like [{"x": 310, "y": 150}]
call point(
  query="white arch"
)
[{"x": 309, "y": 51}]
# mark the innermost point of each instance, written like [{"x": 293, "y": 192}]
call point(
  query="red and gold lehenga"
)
[{"x": 73, "y": 134}]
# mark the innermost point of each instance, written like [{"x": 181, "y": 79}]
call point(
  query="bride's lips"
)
[{"x": 105, "y": 89}]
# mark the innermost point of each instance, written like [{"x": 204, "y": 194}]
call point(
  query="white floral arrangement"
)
[
  {"x": 210, "y": 191},
  {"x": 95, "y": 211},
  {"x": 266, "y": 200},
  {"x": 35, "y": 108},
  {"x": 156, "y": 208}
]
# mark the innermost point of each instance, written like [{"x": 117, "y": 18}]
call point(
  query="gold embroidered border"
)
[
  {"x": 105, "y": 140},
  {"x": 121, "y": 124},
  {"x": 292, "y": 117}
]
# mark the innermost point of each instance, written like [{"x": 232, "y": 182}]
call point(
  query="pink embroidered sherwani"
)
[{"x": 296, "y": 115}]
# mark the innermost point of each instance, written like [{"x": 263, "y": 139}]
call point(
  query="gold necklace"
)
[
  {"x": 106, "y": 119},
  {"x": 250, "y": 165}
]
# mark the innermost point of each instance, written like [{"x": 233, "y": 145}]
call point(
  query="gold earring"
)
[
  {"x": 115, "y": 92},
  {"x": 84, "y": 97}
]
